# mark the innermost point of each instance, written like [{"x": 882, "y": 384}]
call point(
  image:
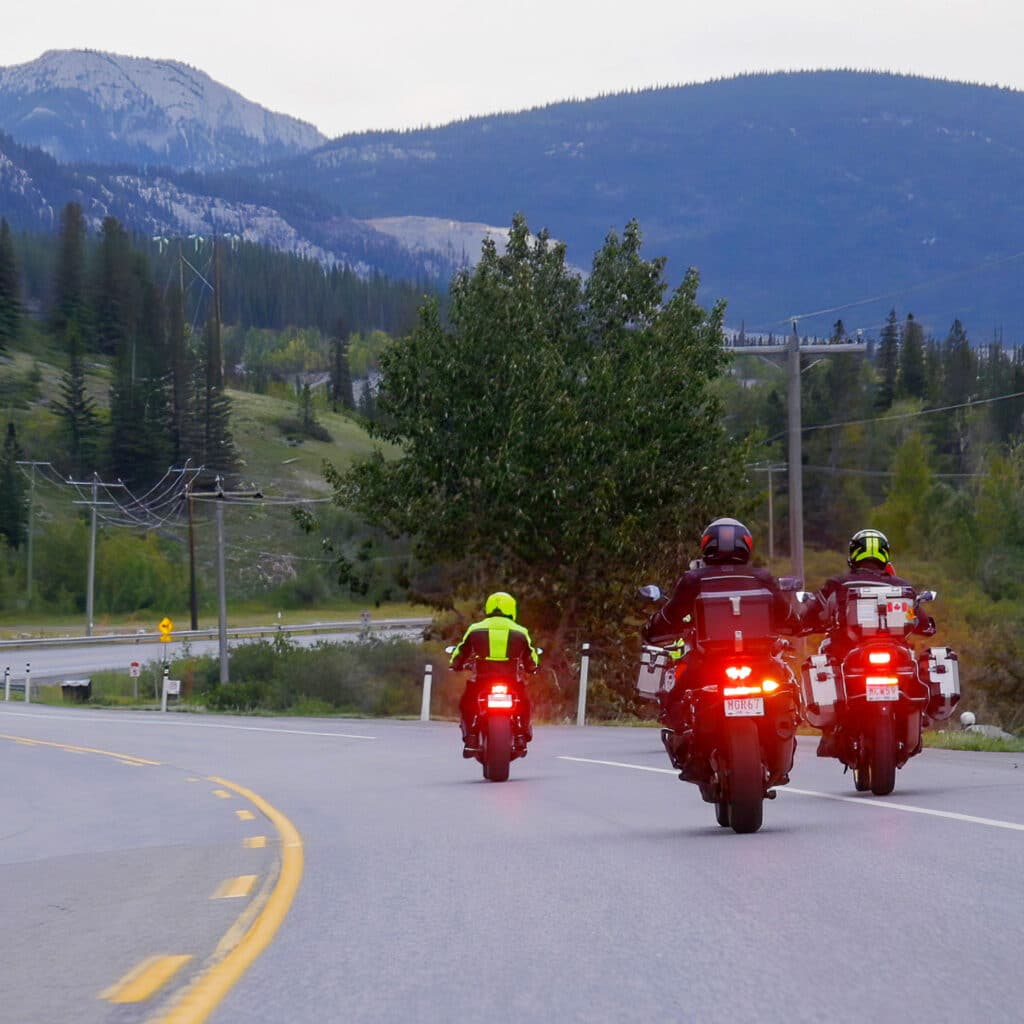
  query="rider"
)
[
  {"x": 870, "y": 565},
  {"x": 726, "y": 546},
  {"x": 504, "y": 647}
]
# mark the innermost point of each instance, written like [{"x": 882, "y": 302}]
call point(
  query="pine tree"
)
[
  {"x": 341, "y": 376},
  {"x": 912, "y": 379},
  {"x": 69, "y": 284},
  {"x": 13, "y": 511},
  {"x": 76, "y": 407},
  {"x": 888, "y": 361},
  {"x": 180, "y": 369},
  {"x": 10, "y": 290},
  {"x": 217, "y": 447}
]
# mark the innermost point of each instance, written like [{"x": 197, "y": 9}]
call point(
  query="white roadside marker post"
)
[
  {"x": 28, "y": 682},
  {"x": 581, "y": 707},
  {"x": 163, "y": 689},
  {"x": 428, "y": 678},
  {"x": 7, "y": 682}
]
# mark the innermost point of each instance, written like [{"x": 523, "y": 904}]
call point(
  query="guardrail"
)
[{"x": 347, "y": 626}]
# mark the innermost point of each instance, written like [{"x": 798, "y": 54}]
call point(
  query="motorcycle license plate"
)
[
  {"x": 881, "y": 692},
  {"x": 744, "y": 707}
]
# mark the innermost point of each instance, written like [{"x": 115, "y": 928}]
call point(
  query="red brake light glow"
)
[
  {"x": 738, "y": 671},
  {"x": 879, "y": 657},
  {"x": 882, "y": 680},
  {"x": 741, "y": 691},
  {"x": 499, "y": 688}
]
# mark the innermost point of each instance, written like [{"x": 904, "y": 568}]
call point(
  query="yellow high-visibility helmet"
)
[{"x": 500, "y": 603}]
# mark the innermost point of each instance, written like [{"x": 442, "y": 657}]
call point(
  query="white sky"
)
[{"x": 349, "y": 66}]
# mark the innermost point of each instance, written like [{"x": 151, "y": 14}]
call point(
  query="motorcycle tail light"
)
[
  {"x": 741, "y": 691},
  {"x": 499, "y": 697},
  {"x": 879, "y": 657},
  {"x": 738, "y": 671},
  {"x": 882, "y": 680},
  {"x": 769, "y": 685}
]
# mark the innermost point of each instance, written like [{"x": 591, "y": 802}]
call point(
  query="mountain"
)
[
  {"x": 87, "y": 106},
  {"x": 790, "y": 192},
  {"x": 839, "y": 193}
]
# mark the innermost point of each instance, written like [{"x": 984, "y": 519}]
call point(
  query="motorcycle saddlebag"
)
[
  {"x": 939, "y": 667},
  {"x": 820, "y": 689}
]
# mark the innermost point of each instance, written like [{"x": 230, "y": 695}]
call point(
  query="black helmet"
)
[
  {"x": 868, "y": 545},
  {"x": 726, "y": 540}
]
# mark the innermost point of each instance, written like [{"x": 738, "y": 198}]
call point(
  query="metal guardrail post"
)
[
  {"x": 581, "y": 707},
  {"x": 28, "y": 682},
  {"x": 428, "y": 678}
]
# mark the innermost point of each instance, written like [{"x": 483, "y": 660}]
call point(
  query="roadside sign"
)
[
  {"x": 165, "y": 626},
  {"x": 134, "y": 670},
  {"x": 173, "y": 687}
]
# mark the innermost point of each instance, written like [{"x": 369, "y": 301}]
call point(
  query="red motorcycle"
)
[
  {"x": 730, "y": 726},
  {"x": 876, "y": 700}
]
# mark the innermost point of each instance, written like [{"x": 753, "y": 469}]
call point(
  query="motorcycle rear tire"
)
[
  {"x": 746, "y": 778},
  {"x": 883, "y": 756},
  {"x": 497, "y": 748},
  {"x": 722, "y": 813},
  {"x": 862, "y": 775}
]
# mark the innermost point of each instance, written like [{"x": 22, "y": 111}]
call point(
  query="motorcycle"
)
[
  {"x": 733, "y": 732},
  {"x": 877, "y": 699},
  {"x": 500, "y": 722}
]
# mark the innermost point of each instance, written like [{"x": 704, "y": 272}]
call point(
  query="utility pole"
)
[
  {"x": 193, "y": 604},
  {"x": 794, "y": 350},
  {"x": 31, "y": 520},
  {"x": 90, "y": 585},
  {"x": 220, "y": 496}
]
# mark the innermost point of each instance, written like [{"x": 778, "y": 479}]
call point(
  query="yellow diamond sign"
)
[{"x": 165, "y": 626}]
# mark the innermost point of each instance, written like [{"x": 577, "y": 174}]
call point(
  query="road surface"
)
[{"x": 591, "y": 887}]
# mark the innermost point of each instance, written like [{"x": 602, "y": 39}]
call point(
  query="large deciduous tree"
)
[{"x": 559, "y": 438}]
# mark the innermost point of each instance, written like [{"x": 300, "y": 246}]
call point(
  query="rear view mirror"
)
[
  {"x": 651, "y": 591},
  {"x": 789, "y": 584},
  {"x": 927, "y": 595},
  {"x": 449, "y": 650}
]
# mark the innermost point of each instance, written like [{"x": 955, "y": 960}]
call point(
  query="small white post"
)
[
  {"x": 28, "y": 682},
  {"x": 163, "y": 689},
  {"x": 581, "y": 707},
  {"x": 7, "y": 682},
  {"x": 428, "y": 678}
]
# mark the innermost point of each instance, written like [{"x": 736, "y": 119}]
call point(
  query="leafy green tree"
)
[
  {"x": 13, "y": 511},
  {"x": 10, "y": 290},
  {"x": 561, "y": 439},
  {"x": 905, "y": 514}
]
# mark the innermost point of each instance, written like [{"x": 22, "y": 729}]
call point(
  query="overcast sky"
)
[{"x": 349, "y": 66}]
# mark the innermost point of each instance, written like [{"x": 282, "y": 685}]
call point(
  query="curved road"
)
[{"x": 591, "y": 887}]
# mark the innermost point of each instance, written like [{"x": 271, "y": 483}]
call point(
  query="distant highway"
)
[
  {"x": 592, "y": 887},
  {"x": 51, "y": 663}
]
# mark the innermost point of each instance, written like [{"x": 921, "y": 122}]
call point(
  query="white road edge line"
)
[
  {"x": 176, "y": 723},
  {"x": 880, "y": 804}
]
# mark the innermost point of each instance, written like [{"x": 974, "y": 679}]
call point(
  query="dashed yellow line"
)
[
  {"x": 222, "y": 793},
  {"x": 245, "y": 815},
  {"x": 202, "y": 997},
  {"x": 255, "y": 842},
  {"x": 145, "y": 979},
  {"x": 234, "y": 888},
  {"x": 123, "y": 758}
]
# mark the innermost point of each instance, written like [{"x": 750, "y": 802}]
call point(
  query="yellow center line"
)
[
  {"x": 123, "y": 758},
  {"x": 245, "y": 815},
  {"x": 222, "y": 793},
  {"x": 255, "y": 842},
  {"x": 145, "y": 979},
  {"x": 203, "y": 996},
  {"x": 234, "y": 888}
]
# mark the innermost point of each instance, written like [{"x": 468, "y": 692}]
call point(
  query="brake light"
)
[
  {"x": 741, "y": 691},
  {"x": 499, "y": 697},
  {"x": 738, "y": 671},
  {"x": 769, "y": 685},
  {"x": 882, "y": 680},
  {"x": 879, "y": 657},
  {"x": 499, "y": 688}
]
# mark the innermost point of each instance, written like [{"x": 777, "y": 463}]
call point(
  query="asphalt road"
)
[{"x": 577, "y": 891}]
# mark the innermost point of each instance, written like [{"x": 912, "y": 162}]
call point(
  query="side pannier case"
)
[
  {"x": 880, "y": 611},
  {"x": 939, "y": 667},
  {"x": 820, "y": 691},
  {"x": 734, "y": 621}
]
